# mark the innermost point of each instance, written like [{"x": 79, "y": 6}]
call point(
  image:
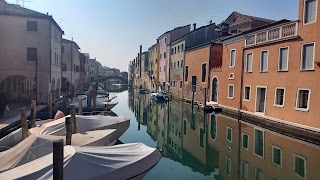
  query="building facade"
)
[
  {"x": 164, "y": 53},
  {"x": 30, "y": 48},
  {"x": 176, "y": 67},
  {"x": 70, "y": 63}
]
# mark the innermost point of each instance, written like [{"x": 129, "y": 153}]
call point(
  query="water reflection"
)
[{"x": 223, "y": 147}]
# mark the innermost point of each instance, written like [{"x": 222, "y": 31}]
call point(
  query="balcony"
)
[{"x": 279, "y": 33}]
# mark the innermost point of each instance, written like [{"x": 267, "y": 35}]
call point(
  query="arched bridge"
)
[{"x": 108, "y": 78}]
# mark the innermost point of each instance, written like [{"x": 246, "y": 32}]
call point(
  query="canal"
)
[{"x": 212, "y": 146}]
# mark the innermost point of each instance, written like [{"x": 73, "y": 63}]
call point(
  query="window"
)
[
  {"x": 174, "y": 83},
  {"x": 232, "y": 58},
  {"x": 299, "y": 165},
  {"x": 259, "y": 142},
  {"x": 244, "y": 170},
  {"x": 229, "y": 134},
  {"x": 182, "y": 48},
  {"x": 258, "y": 174},
  {"x": 249, "y": 62},
  {"x": 186, "y": 74},
  {"x": 32, "y": 26},
  {"x": 283, "y": 59},
  {"x": 180, "y": 84},
  {"x": 228, "y": 165},
  {"x": 171, "y": 65},
  {"x": 174, "y": 65},
  {"x": 302, "y": 102},
  {"x": 175, "y": 50},
  {"x": 264, "y": 61},
  {"x": 32, "y": 54},
  {"x": 165, "y": 40},
  {"x": 230, "y": 91},
  {"x": 204, "y": 72},
  {"x": 178, "y": 48},
  {"x": 160, "y": 69},
  {"x": 156, "y": 61},
  {"x": 310, "y": 7},
  {"x": 307, "y": 56},
  {"x": 181, "y": 63},
  {"x": 277, "y": 155},
  {"x": 164, "y": 68},
  {"x": 160, "y": 56},
  {"x": 178, "y": 64},
  {"x": 213, "y": 127},
  {"x": 164, "y": 55},
  {"x": 245, "y": 141},
  {"x": 171, "y": 50},
  {"x": 247, "y": 90},
  {"x": 279, "y": 97}
]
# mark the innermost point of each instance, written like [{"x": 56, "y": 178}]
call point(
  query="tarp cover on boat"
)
[
  {"x": 115, "y": 162},
  {"x": 84, "y": 123}
]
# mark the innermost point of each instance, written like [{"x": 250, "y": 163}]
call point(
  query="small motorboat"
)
[
  {"x": 158, "y": 96},
  {"x": 109, "y": 105},
  {"x": 125, "y": 161},
  {"x": 57, "y": 128},
  {"x": 38, "y": 145}
]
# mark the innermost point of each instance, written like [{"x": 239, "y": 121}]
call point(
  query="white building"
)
[{"x": 70, "y": 63}]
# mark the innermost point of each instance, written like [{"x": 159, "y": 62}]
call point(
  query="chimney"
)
[
  {"x": 224, "y": 29},
  {"x": 194, "y": 26},
  {"x": 3, "y": 5}
]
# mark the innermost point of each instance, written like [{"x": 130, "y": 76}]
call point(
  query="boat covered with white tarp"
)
[
  {"x": 57, "y": 128},
  {"x": 125, "y": 161}
]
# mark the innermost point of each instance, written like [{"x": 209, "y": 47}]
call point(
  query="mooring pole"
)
[
  {"x": 205, "y": 100},
  {"x": 94, "y": 99},
  {"x": 50, "y": 105},
  {"x": 73, "y": 119},
  {"x": 68, "y": 130},
  {"x": 58, "y": 160},
  {"x": 80, "y": 111},
  {"x": 24, "y": 124},
  {"x": 33, "y": 113}
]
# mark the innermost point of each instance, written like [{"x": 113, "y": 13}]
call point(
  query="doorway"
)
[
  {"x": 214, "y": 90},
  {"x": 261, "y": 99}
]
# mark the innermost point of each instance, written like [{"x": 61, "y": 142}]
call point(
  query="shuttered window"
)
[{"x": 310, "y": 11}]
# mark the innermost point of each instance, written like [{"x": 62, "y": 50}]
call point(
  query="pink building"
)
[
  {"x": 30, "y": 49},
  {"x": 164, "y": 55}
]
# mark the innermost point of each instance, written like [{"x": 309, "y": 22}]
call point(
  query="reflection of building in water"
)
[
  {"x": 220, "y": 144},
  {"x": 152, "y": 122},
  {"x": 263, "y": 154}
]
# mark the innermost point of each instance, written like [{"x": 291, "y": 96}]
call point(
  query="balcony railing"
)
[{"x": 273, "y": 34}]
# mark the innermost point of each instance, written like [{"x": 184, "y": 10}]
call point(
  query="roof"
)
[
  {"x": 17, "y": 10},
  {"x": 250, "y": 18},
  {"x": 68, "y": 41},
  {"x": 173, "y": 30},
  {"x": 252, "y": 30}
]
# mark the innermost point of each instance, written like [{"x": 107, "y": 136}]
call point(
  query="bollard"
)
[
  {"x": 205, "y": 100},
  {"x": 68, "y": 130},
  {"x": 94, "y": 99},
  {"x": 64, "y": 103},
  {"x": 24, "y": 124},
  {"x": 58, "y": 159},
  {"x": 80, "y": 111},
  {"x": 33, "y": 113},
  {"x": 73, "y": 119},
  {"x": 50, "y": 105}
]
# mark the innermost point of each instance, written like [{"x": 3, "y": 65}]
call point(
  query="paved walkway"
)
[{"x": 13, "y": 114}]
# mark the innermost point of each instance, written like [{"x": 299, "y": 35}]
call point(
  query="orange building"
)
[{"x": 280, "y": 65}]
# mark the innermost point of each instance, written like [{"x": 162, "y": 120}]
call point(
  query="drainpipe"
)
[
  {"x": 208, "y": 78},
  {"x": 239, "y": 111}
]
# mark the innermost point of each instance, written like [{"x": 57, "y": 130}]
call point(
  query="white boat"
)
[
  {"x": 57, "y": 128},
  {"x": 109, "y": 105},
  {"x": 125, "y": 161},
  {"x": 38, "y": 145}
]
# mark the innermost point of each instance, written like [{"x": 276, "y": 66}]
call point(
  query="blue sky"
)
[{"x": 112, "y": 30}]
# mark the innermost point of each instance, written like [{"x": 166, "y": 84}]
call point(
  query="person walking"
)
[{"x": 3, "y": 103}]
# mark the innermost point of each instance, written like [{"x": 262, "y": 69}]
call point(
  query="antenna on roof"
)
[
  {"x": 23, "y": 1},
  {"x": 210, "y": 21}
]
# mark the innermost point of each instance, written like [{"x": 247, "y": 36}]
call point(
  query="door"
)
[
  {"x": 261, "y": 100},
  {"x": 214, "y": 90}
]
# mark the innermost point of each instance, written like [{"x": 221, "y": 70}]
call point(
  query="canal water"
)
[{"x": 212, "y": 146}]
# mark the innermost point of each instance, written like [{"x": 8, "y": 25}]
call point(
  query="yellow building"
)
[{"x": 154, "y": 57}]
